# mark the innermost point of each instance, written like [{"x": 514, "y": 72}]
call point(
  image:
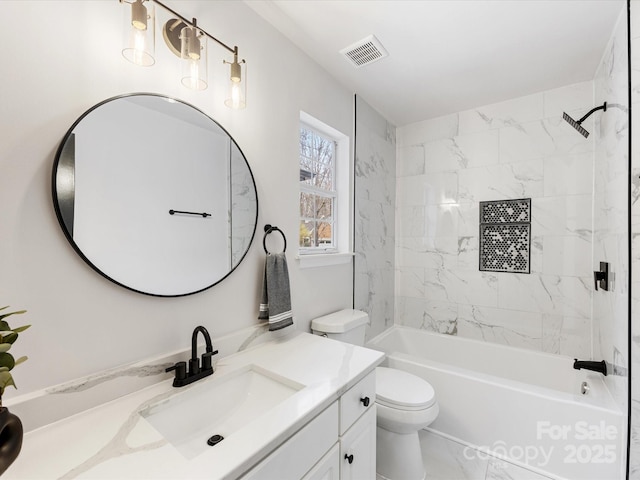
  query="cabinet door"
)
[
  {"x": 328, "y": 468},
  {"x": 358, "y": 449},
  {"x": 300, "y": 452}
]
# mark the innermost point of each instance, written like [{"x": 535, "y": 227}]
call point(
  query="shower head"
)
[{"x": 577, "y": 124}]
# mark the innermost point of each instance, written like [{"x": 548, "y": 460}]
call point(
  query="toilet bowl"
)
[{"x": 405, "y": 403}]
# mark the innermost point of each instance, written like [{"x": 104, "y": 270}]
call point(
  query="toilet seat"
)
[{"x": 402, "y": 390}]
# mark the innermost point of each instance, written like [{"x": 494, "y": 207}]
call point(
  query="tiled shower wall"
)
[
  {"x": 375, "y": 192},
  {"x": 519, "y": 148},
  {"x": 634, "y": 460},
  {"x": 611, "y": 211}
]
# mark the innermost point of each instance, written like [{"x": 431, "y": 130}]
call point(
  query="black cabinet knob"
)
[
  {"x": 348, "y": 458},
  {"x": 365, "y": 401}
]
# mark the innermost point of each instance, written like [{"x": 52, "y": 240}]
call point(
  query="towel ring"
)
[{"x": 267, "y": 230}]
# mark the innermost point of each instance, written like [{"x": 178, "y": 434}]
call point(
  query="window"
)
[
  {"x": 326, "y": 195},
  {"x": 318, "y": 191}
]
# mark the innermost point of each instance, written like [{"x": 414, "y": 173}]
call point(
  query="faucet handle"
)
[
  {"x": 181, "y": 370},
  {"x": 206, "y": 360}
]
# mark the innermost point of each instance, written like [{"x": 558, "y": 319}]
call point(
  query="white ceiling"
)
[{"x": 450, "y": 55}]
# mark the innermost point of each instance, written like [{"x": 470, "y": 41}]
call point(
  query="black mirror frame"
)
[{"x": 69, "y": 235}]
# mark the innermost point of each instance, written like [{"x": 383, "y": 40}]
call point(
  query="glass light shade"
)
[
  {"x": 193, "y": 58},
  {"x": 139, "y": 33},
  {"x": 237, "y": 86}
]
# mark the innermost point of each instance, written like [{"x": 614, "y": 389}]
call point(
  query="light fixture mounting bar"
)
[{"x": 192, "y": 23}]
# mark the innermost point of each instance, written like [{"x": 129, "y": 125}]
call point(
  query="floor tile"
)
[
  {"x": 501, "y": 470},
  {"x": 446, "y": 460}
]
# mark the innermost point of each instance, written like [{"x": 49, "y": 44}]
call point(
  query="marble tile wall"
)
[
  {"x": 519, "y": 148},
  {"x": 634, "y": 460},
  {"x": 611, "y": 211},
  {"x": 374, "y": 233}
]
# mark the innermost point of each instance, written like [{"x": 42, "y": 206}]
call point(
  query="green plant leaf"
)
[
  {"x": 5, "y": 380},
  {"x": 10, "y": 337},
  {"x": 7, "y": 360},
  {"x": 22, "y": 359},
  {"x": 17, "y": 312}
]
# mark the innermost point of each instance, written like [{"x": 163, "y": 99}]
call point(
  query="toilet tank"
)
[{"x": 345, "y": 325}]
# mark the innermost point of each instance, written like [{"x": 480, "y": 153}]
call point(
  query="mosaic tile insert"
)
[
  {"x": 506, "y": 211},
  {"x": 505, "y": 236}
]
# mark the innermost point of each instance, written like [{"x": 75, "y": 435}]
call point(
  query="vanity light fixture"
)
[
  {"x": 193, "y": 57},
  {"x": 187, "y": 41},
  {"x": 237, "y": 93},
  {"x": 139, "y": 33}
]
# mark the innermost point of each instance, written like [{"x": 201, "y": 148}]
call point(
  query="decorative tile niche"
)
[{"x": 505, "y": 236}]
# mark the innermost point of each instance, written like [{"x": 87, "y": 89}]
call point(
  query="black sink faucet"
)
[{"x": 196, "y": 370}]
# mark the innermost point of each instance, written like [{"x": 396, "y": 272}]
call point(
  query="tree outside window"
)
[{"x": 318, "y": 197}]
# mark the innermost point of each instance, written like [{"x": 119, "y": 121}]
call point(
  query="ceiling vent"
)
[{"x": 364, "y": 52}]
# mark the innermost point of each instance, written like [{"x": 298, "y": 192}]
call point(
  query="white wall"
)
[{"x": 67, "y": 60}]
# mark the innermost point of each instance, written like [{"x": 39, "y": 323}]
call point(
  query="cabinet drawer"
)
[{"x": 354, "y": 403}]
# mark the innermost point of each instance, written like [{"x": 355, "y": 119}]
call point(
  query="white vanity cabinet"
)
[
  {"x": 328, "y": 468},
  {"x": 358, "y": 449},
  {"x": 293, "y": 459},
  {"x": 358, "y": 431},
  {"x": 338, "y": 444}
]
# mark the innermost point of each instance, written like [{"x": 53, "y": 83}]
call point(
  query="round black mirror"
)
[{"x": 154, "y": 195}]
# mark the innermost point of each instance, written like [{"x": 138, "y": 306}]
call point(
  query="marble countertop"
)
[{"x": 113, "y": 441}]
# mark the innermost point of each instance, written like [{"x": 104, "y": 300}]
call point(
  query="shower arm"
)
[{"x": 601, "y": 107}]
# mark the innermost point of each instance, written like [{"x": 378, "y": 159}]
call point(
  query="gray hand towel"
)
[{"x": 276, "y": 296}]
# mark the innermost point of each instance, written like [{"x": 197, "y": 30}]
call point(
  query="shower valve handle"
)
[{"x": 601, "y": 278}]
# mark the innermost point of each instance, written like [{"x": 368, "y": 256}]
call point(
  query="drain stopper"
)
[{"x": 214, "y": 440}]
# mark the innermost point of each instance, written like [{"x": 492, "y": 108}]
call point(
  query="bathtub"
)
[{"x": 521, "y": 406}]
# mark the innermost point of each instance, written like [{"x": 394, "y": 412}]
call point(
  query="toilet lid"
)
[{"x": 403, "y": 390}]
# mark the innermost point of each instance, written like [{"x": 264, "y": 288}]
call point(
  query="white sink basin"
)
[{"x": 217, "y": 406}]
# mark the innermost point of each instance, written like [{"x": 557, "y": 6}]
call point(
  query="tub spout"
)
[{"x": 600, "y": 366}]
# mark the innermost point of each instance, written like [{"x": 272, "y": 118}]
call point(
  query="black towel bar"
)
[
  {"x": 267, "y": 230},
  {"x": 203, "y": 214}
]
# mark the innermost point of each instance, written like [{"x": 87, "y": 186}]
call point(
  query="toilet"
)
[{"x": 405, "y": 403}]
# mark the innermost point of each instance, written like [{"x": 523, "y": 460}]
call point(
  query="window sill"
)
[{"x": 323, "y": 259}]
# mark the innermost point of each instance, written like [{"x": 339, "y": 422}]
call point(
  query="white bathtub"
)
[{"x": 522, "y": 406}]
